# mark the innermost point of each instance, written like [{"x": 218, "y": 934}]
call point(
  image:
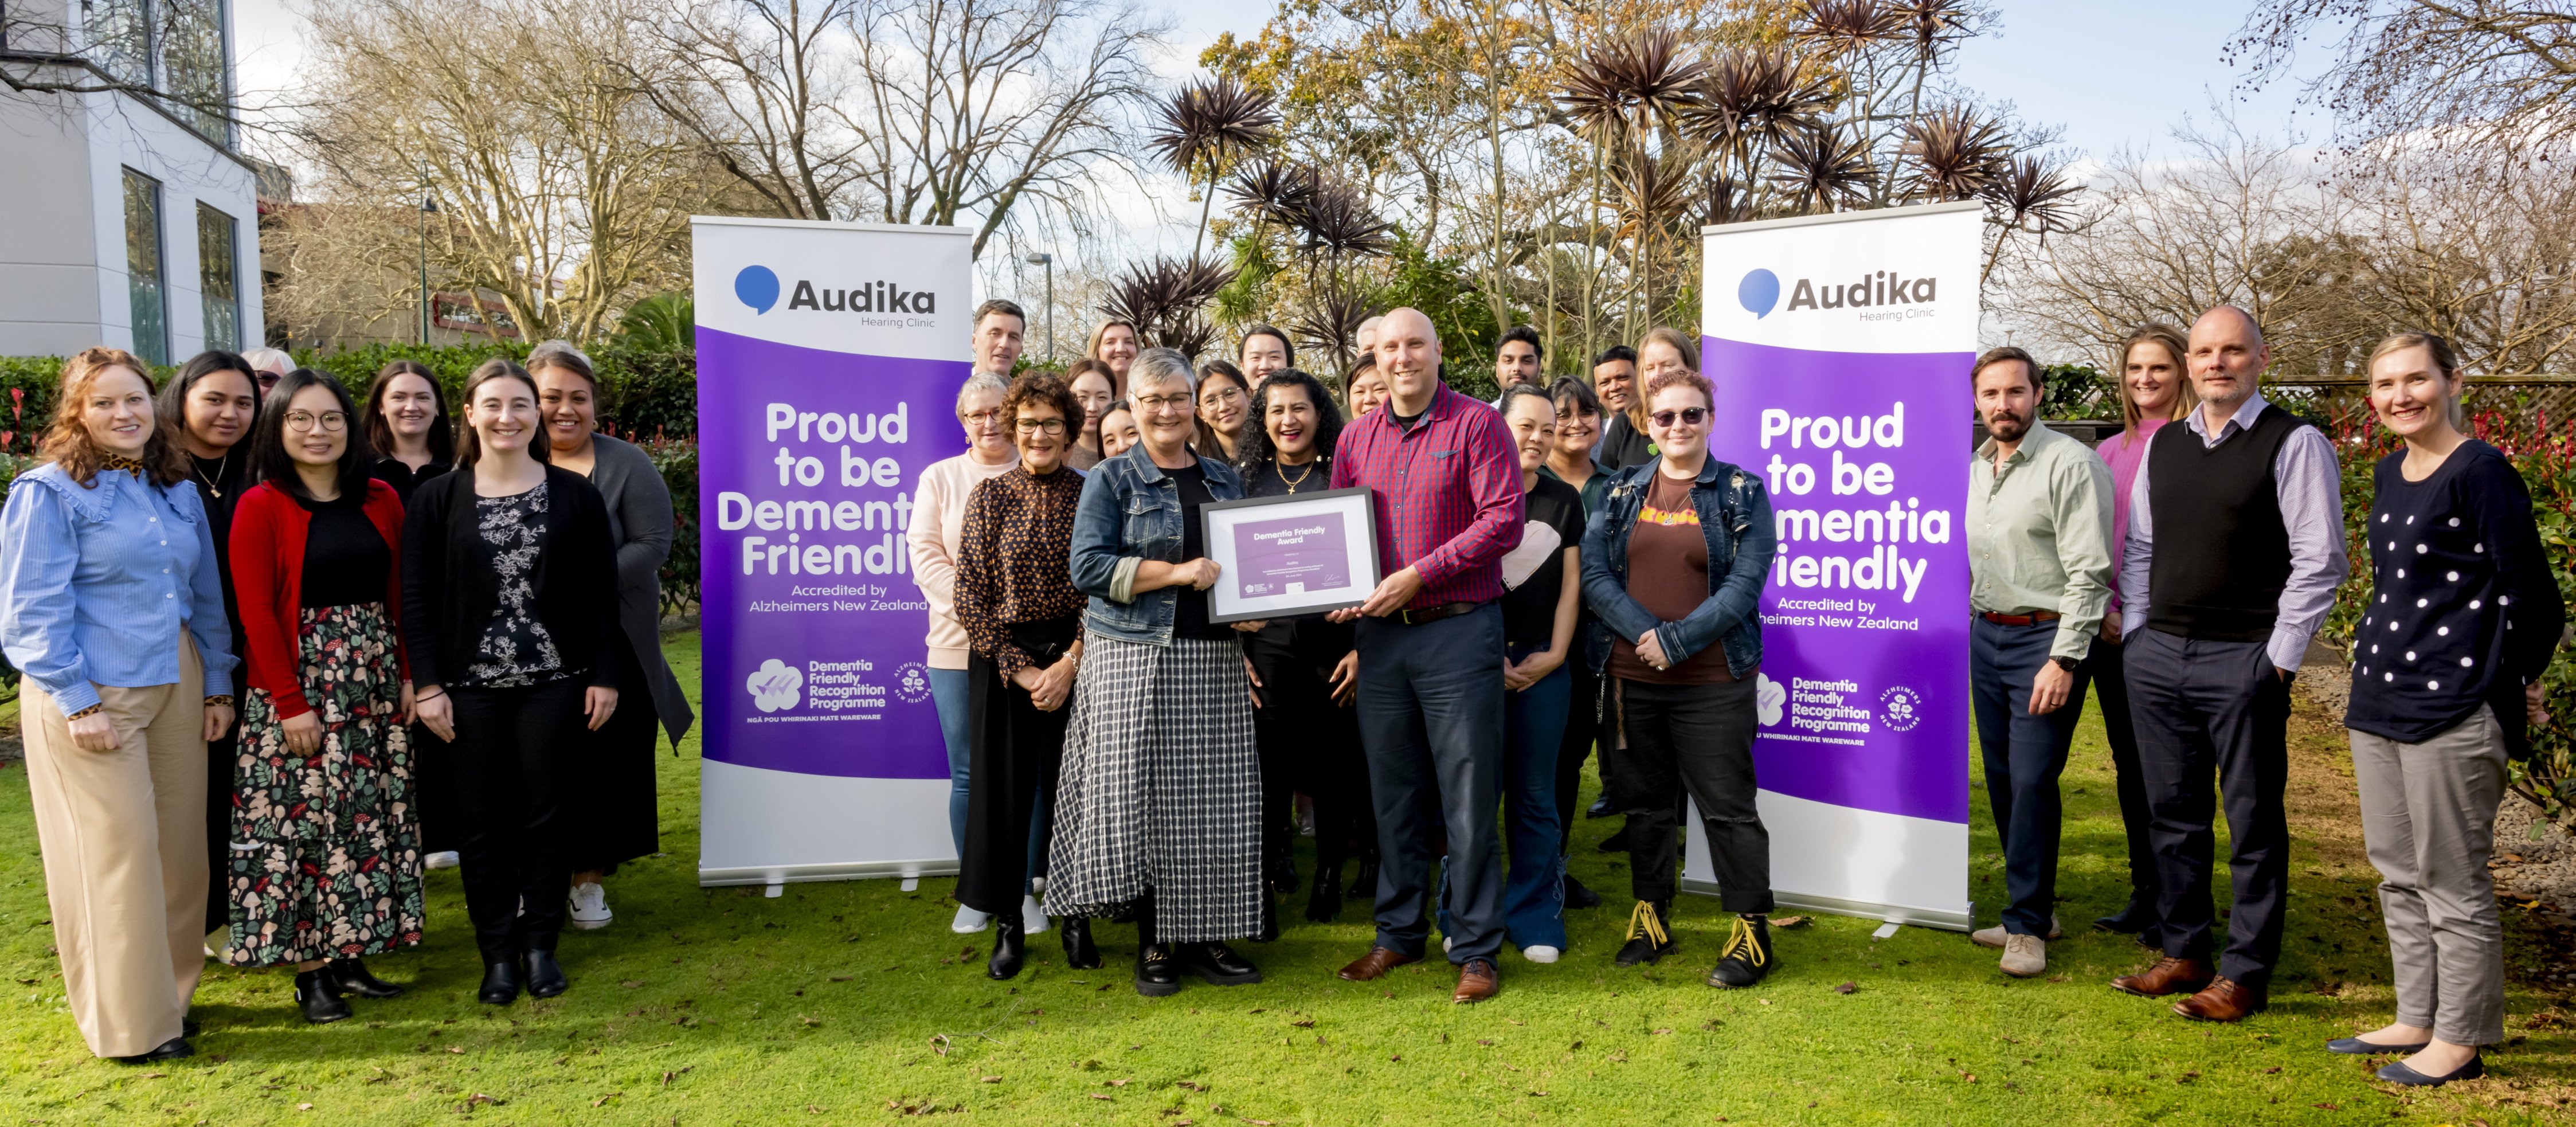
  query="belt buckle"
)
[{"x": 1406, "y": 615}]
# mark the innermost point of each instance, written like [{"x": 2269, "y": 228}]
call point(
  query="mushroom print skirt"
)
[{"x": 325, "y": 857}]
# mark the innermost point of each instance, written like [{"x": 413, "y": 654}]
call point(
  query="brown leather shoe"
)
[
  {"x": 2223, "y": 1000},
  {"x": 2169, "y": 976},
  {"x": 1478, "y": 980},
  {"x": 1375, "y": 964}
]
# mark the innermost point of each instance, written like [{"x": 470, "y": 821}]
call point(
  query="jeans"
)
[
  {"x": 515, "y": 750},
  {"x": 1582, "y": 728},
  {"x": 2205, "y": 707},
  {"x": 1431, "y": 717},
  {"x": 1534, "y": 884},
  {"x": 1696, "y": 739},
  {"x": 2024, "y": 755}
]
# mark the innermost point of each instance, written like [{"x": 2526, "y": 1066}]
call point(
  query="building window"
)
[
  {"x": 143, "y": 277},
  {"x": 174, "y": 48},
  {"x": 216, "y": 270}
]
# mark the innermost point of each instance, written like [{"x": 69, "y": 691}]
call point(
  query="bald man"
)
[
  {"x": 2235, "y": 547},
  {"x": 1445, "y": 484}
]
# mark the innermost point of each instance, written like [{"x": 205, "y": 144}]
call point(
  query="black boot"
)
[
  {"x": 1364, "y": 885},
  {"x": 1158, "y": 972},
  {"x": 351, "y": 977},
  {"x": 1218, "y": 964},
  {"x": 501, "y": 982},
  {"x": 1080, "y": 953},
  {"x": 1650, "y": 933},
  {"x": 314, "y": 992},
  {"x": 1010, "y": 946},
  {"x": 545, "y": 975},
  {"x": 1600, "y": 808},
  {"x": 2135, "y": 918},
  {"x": 1577, "y": 896},
  {"x": 1324, "y": 902},
  {"x": 1747, "y": 957}
]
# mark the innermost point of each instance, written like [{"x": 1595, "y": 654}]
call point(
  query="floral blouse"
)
[
  {"x": 1013, "y": 560},
  {"x": 516, "y": 648}
]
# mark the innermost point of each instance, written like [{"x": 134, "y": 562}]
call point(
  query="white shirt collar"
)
[{"x": 2243, "y": 419}]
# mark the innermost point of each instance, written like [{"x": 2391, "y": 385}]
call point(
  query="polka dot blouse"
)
[{"x": 2463, "y": 611}]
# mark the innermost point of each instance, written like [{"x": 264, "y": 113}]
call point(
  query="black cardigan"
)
[{"x": 449, "y": 595}]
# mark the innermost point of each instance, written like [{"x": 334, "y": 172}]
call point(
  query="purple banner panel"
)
[
  {"x": 813, "y": 627},
  {"x": 1863, "y": 695}
]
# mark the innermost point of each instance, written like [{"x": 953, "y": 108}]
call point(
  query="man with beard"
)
[{"x": 2039, "y": 566}]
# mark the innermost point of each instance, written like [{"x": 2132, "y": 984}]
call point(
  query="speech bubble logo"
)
[
  {"x": 1758, "y": 292},
  {"x": 758, "y": 288},
  {"x": 773, "y": 686}
]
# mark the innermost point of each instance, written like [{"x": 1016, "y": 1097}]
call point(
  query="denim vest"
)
[
  {"x": 1130, "y": 512},
  {"x": 1735, "y": 517}
]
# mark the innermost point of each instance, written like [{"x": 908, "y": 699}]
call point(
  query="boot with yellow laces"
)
[
  {"x": 1650, "y": 933},
  {"x": 1747, "y": 955}
]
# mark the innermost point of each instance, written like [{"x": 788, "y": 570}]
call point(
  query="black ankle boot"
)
[
  {"x": 1747, "y": 957},
  {"x": 1010, "y": 946},
  {"x": 502, "y": 980},
  {"x": 1650, "y": 933},
  {"x": 321, "y": 1003},
  {"x": 1080, "y": 953},
  {"x": 351, "y": 977},
  {"x": 1324, "y": 903},
  {"x": 1577, "y": 896},
  {"x": 545, "y": 975}
]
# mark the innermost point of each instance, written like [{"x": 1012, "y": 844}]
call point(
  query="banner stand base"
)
[
  {"x": 1891, "y": 913},
  {"x": 775, "y": 875}
]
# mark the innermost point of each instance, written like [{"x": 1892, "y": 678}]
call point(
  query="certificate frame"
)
[{"x": 1237, "y": 533}]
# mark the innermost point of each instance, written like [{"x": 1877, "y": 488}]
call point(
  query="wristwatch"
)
[{"x": 2066, "y": 663}]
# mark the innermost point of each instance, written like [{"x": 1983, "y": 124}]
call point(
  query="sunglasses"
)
[{"x": 1691, "y": 416}]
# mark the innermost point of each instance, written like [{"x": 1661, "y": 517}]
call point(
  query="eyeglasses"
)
[
  {"x": 1158, "y": 402},
  {"x": 1226, "y": 395},
  {"x": 333, "y": 422},
  {"x": 1033, "y": 426},
  {"x": 1690, "y": 416},
  {"x": 983, "y": 418}
]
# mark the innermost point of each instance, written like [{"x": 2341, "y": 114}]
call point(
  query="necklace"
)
[
  {"x": 1301, "y": 478},
  {"x": 220, "y": 467}
]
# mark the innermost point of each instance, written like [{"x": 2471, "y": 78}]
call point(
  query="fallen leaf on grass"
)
[
  {"x": 1117, "y": 1083},
  {"x": 2326, "y": 1107},
  {"x": 1258, "y": 1122},
  {"x": 1188, "y": 1085},
  {"x": 992, "y": 1079},
  {"x": 1660, "y": 1032},
  {"x": 1766, "y": 1001},
  {"x": 1099, "y": 1095},
  {"x": 630, "y": 984},
  {"x": 154, "y": 1075},
  {"x": 1970, "y": 1077},
  {"x": 456, "y": 1049},
  {"x": 1789, "y": 921},
  {"x": 304, "y": 1107},
  {"x": 840, "y": 978},
  {"x": 1309, "y": 1023},
  {"x": 2271, "y": 1070},
  {"x": 1846, "y": 987},
  {"x": 1483, "y": 1041},
  {"x": 603, "y": 1100}
]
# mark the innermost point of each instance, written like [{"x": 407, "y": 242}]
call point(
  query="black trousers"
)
[
  {"x": 2204, "y": 707},
  {"x": 219, "y": 827},
  {"x": 2111, "y": 682},
  {"x": 618, "y": 814},
  {"x": 1017, "y": 756},
  {"x": 1582, "y": 728},
  {"x": 1308, "y": 743},
  {"x": 2024, "y": 755},
  {"x": 1695, "y": 739},
  {"x": 1431, "y": 714},
  {"x": 516, "y": 756}
]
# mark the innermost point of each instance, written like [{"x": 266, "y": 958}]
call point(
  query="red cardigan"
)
[{"x": 268, "y": 581}]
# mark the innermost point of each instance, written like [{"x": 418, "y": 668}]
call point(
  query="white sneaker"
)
[
  {"x": 590, "y": 906},
  {"x": 1541, "y": 953},
  {"x": 1994, "y": 936},
  {"x": 1032, "y": 918},
  {"x": 969, "y": 921},
  {"x": 1445, "y": 941},
  {"x": 443, "y": 859},
  {"x": 2025, "y": 956}
]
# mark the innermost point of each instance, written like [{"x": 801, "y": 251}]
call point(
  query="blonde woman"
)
[{"x": 1115, "y": 344}]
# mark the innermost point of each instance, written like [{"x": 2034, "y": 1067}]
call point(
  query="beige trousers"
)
[{"x": 124, "y": 839}]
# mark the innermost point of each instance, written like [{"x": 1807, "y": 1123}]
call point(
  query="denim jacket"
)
[
  {"x": 1130, "y": 512},
  {"x": 1735, "y": 516},
  {"x": 97, "y": 582}
]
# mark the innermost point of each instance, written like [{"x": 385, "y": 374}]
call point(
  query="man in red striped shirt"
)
[{"x": 1445, "y": 486}]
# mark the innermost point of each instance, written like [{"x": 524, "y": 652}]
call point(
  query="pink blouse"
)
[{"x": 2125, "y": 452}]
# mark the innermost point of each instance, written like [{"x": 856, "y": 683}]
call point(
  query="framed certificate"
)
[{"x": 1303, "y": 553}]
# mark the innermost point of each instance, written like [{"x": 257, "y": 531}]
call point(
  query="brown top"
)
[
  {"x": 1013, "y": 560},
  {"x": 1668, "y": 575}
]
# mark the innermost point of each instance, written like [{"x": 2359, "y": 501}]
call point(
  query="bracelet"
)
[
  {"x": 224, "y": 699},
  {"x": 433, "y": 696},
  {"x": 90, "y": 711}
]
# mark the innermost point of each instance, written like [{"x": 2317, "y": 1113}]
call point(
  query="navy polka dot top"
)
[{"x": 2463, "y": 611}]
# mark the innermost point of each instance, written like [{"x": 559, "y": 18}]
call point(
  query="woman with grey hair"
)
[
  {"x": 1159, "y": 809},
  {"x": 618, "y": 819},
  {"x": 938, "y": 527}
]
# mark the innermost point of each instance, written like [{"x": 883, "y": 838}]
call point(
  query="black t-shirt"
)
[
  {"x": 392, "y": 471},
  {"x": 1622, "y": 445},
  {"x": 345, "y": 558},
  {"x": 1555, "y": 521},
  {"x": 1192, "y": 619}
]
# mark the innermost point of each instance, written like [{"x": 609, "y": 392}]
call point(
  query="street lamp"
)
[
  {"x": 1048, "y": 260},
  {"x": 428, "y": 207}
]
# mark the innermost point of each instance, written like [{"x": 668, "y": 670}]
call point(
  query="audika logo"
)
[
  {"x": 757, "y": 286},
  {"x": 774, "y": 685},
  {"x": 1759, "y": 292}
]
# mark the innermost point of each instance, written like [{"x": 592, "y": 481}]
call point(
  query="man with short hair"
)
[
  {"x": 1000, "y": 329},
  {"x": 2039, "y": 578},
  {"x": 1623, "y": 410},
  {"x": 2235, "y": 548},
  {"x": 1445, "y": 485},
  {"x": 1516, "y": 358}
]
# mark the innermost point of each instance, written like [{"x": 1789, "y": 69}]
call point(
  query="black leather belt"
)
[{"x": 1418, "y": 616}]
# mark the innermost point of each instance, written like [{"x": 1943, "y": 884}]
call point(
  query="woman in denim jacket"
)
[
  {"x": 1673, "y": 563},
  {"x": 1159, "y": 807}
]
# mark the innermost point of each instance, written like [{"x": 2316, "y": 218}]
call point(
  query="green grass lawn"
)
[{"x": 853, "y": 1002}]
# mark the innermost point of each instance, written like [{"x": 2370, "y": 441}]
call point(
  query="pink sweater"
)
[
  {"x": 938, "y": 519},
  {"x": 2125, "y": 452}
]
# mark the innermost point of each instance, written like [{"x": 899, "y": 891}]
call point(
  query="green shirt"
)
[{"x": 2039, "y": 535}]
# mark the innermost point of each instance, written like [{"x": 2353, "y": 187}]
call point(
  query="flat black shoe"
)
[
  {"x": 2398, "y": 1073},
  {"x": 351, "y": 977},
  {"x": 2129, "y": 920},
  {"x": 545, "y": 975},
  {"x": 1158, "y": 974},
  {"x": 319, "y": 997},
  {"x": 2356, "y": 1047},
  {"x": 501, "y": 982},
  {"x": 1010, "y": 948},
  {"x": 1600, "y": 808},
  {"x": 1218, "y": 964},
  {"x": 1324, "y": 902},
  {"x": 1747, "y": 957},
  {"x": 176, "y": 1048},
  {"x": 1577, "y": 896},
  {"x": 1080, "y": 953},
  {"x": 1650, "y": 934},
  {"x": 1617, "y": 842}
]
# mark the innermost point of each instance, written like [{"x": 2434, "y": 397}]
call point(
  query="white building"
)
[{"x": 127, "y": 217}]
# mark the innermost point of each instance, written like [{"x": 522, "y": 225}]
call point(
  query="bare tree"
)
[
  {"x": 2499, "y": 72},
  {"x": 761, "y": 85}
]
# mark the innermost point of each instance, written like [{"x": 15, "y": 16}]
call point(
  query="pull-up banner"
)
[
  {"x": 1840, "y": 348},
  {"x": 829, "y": 358}
]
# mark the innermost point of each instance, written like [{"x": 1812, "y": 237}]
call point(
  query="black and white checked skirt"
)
[{"x": 1161, "y": 790}]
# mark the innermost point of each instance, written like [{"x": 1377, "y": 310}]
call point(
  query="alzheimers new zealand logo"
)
[
  {"x": 1770, "y": 698},
  {"x": 774, "y": 685}
]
